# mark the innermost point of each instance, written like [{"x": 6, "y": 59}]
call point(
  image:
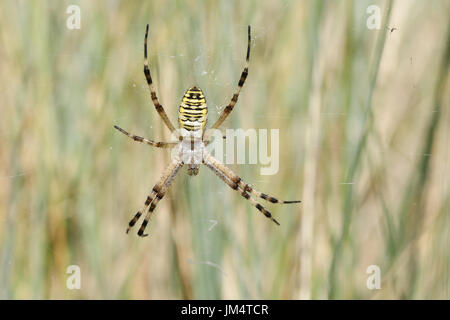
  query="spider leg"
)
[
  {"x": 158, "y": 106},
  {"x": 235, "y": 97},
  {"x": 235, "y": 186},
  {"x": 159, "y": 192},
  {"x": 173, "y": 166},
  {"x": 147, "y": 141},
  {"x": 244, "y": 186}
]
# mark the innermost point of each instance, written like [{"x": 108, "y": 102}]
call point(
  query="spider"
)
[{"x": 190, "y": 148}]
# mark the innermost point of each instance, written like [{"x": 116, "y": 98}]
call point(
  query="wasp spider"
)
[{"x": 190, "y": 149}]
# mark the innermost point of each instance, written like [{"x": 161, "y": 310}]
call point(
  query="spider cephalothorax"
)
[{"x": 190, "y": 148}]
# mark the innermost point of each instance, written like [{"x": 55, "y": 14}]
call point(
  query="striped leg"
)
[
  {"x": 243, "y": 193},
  {"x": 149, "y": 142},
  {"x": 234, "y": 99},
  {"x": 159, "y": 192},
  {"x": 244, "y": 186},
  {"x": 158, "y": 106},
  {"x": 156, "y": 189}
]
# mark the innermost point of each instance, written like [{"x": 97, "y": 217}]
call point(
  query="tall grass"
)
[{"x": 364, "y": 142}]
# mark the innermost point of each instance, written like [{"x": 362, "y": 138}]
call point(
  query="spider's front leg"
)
[
  {"x": 235, "y": 97},
  {"x": 159, "y": 108},
  {"x": 147, "y": 141}
]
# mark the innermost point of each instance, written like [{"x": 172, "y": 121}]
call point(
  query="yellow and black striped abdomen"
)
[{"x": 193, "y": 112}]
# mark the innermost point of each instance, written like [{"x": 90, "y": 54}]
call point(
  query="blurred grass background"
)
[{"x": 364, "y": 142}]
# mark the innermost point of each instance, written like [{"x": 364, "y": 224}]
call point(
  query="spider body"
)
[
  {"x": 190, "y": 148},
  {"x": 192, "y": 117}
]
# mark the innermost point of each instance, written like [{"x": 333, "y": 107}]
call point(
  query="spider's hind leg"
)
[
  {"x": 244, "y": 186},
  {"x": 261, "y": 195},
  {"x": 243, "y": 193},
  {"x": 160, "y": 191},
  {"x": 157, "y": 194}
]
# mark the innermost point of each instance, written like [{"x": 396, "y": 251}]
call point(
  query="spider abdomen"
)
[{"x": 193, "y": 112}]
